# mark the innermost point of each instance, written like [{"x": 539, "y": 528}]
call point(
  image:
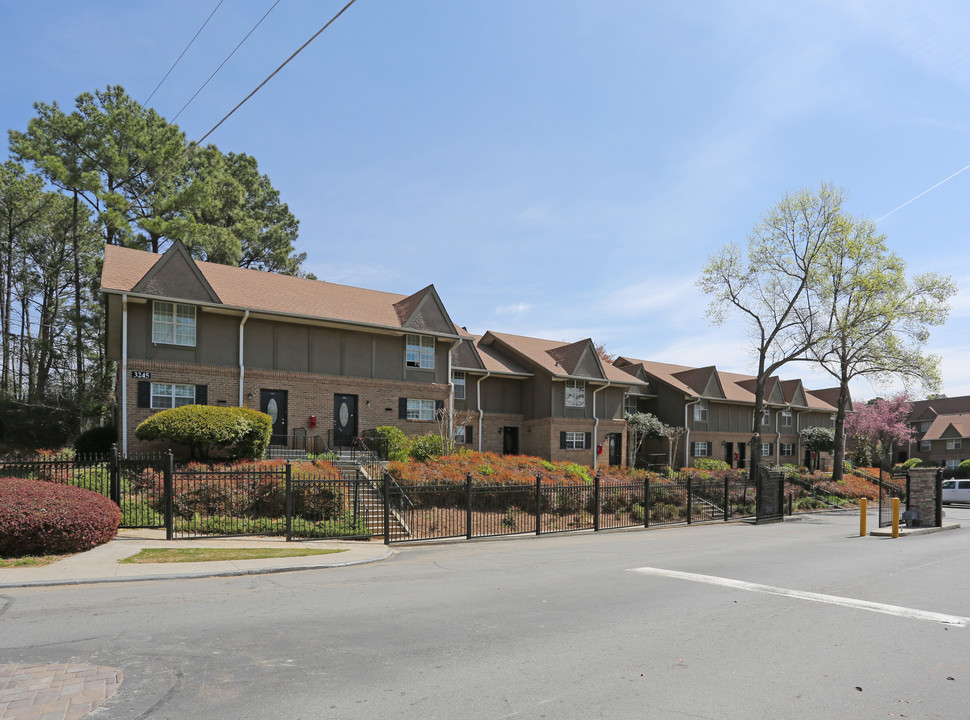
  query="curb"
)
[{"x": 194, "y": 576}]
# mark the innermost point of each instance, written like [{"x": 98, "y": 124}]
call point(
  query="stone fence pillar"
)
[{"x": 926, "y": 496}]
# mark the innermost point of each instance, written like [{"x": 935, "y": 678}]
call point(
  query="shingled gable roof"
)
[
  {"x": 554, "y": 357},
  {"x": 258, "y": 291},
  {"x": 793, "y": 392},
  {"x": 472, "y": 356},
  {"x": 949, "y": 427},
  {"x": 168, "y": 276},
  {"x": 703, "y": 381},
  {"x": 928, "y": 409},
  {"x": 424, "y": 311},
  {"x": 735, "y": 387}
]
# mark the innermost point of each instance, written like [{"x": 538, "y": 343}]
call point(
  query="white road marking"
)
[{"x": 815, "y": 597}]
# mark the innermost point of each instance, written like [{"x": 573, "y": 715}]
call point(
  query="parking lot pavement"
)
[{"x": 55, "y": 692}]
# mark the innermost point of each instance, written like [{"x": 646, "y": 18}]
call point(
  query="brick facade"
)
[{"x": 926, "y": 496}]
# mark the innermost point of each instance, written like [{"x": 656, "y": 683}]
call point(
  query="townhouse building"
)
[
  {"x": 942, "y": 432},
  {"x": 319, "y": 358},
  {"x": 554, "y": 400},
  {"x": 717, "y": 410}
]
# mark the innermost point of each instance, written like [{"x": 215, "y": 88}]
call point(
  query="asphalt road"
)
[{"x": 550, "y": 627}]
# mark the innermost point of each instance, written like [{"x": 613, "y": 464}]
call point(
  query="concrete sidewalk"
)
[{"x": 101, "y": 565}]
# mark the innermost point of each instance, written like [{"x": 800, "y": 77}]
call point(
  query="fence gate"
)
[
  {"x": 891, "y": 485},
  {"x": 771, "y": 496}
]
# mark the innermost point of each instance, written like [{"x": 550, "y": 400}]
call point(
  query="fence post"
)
[
  {"x": 791, "y": 499},
  {"x": 288, "y": 482},
  {"x": 727, "y": 500},
  {"x": 690, "y": 499},
  {"x": 387, "y": 509},
  {"x": 596, "y": 499},
  {"x": 646, "y": 502},
  {"x": 357, "y": 493},
  {"x": 114, "y": 473},
  {"x": 538, "y": 504},
  {"x": 169, "y": 487},
  {"x": 468, "y": 506}
]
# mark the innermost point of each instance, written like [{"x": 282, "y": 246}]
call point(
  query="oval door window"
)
[
  {"x": 344, "y": 414},
  {"x": 272, "y": 410}
]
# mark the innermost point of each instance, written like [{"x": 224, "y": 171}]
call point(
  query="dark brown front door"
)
[
  {"x": 616, "y": 448},
  {"x": 273, "y": 403},
  {"x": 344, "y": 420},
  {"x": 729, "y": 454},
  {"x": 510, "y": 441}
]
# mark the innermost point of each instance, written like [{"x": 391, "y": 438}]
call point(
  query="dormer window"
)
[
  {"x": 786, "y": 418},
  {"x": 458, "y": 380},
  {"x": 420, "y": 351},
  {"x": 700, "y": 411},
  {"x": 575, "y": 393},
  {"x": 766, "y": 417},
  {"x": 173, "y": 324}
]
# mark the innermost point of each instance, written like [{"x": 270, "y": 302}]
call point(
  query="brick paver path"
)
[{"x": 55, "y": 692}]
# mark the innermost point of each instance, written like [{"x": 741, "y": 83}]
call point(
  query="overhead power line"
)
[
  {"x": 913, "y": 199},
  {"x": 225, "y": 61},
  {"x": 272, "y": 74},
  {"x": 183, "y": 52}
]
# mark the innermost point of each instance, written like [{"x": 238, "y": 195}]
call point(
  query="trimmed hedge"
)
[
  {"x": 243, "y": 431},
  {"x": 44, "y": 518}
]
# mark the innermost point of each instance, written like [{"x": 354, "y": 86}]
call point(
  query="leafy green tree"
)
[
  {"x": 640, "y": 428},
  {"x": 818, "y": 440},
  {"x": 879, "y": 319},
  {"x": 770, "y": 285}
]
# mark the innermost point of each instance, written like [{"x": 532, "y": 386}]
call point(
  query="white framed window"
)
[
  {"x": 630, "y": 404},
  {"x": 699, "y": 449},
  {"x": 458, "y": 380},
  {"x": 173, "y": 323},
  {"x": 420, "y": 351},
  {"x": 766, "y": 417},
  {"x": 765, "y": 449},
  {"x": 952, "y": 464},
  {"x": 169, "y": 395},
  {"x": 700, "y": 411},
  {"x": 925, "y": 445},
  {"x": 953, "y": 444},
  {"x": 461, "y": 434},
  {"x": 420, "y": 409},
  {"x": 786, "y": 418},
  {"x": 832, "y": 421},
  {"x": 575, "y": 441},
  {"x": 787, "y": 449},
  {"x": 576, "y": 393},
  {"x": 925, "y": 425}
]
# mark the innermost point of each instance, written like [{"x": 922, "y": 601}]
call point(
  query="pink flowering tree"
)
[{"x": 879, "y": 426}]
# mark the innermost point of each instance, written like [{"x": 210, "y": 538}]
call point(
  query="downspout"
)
[
  {"x": 242, "y": 364},
  {"x": 778, "y": 437},
  {"x": 687, "y": 436},
  {"x": 481, "y": 410},
  {"x": 799, "y": 448},
  {"x": 596, "y": 426},
  {"x": 451, "y": 396},
  {"x": 124, "y": 375}
]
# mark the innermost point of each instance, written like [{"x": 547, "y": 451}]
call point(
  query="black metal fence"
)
[
  {"x": 302, "y": 500},
  {"x": 437, "y": 511}
]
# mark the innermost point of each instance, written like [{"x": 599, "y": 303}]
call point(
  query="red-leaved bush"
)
[{"x": 45, "y": 518}]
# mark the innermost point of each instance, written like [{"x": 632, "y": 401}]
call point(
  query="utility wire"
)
[
  {"x": 183, "y": 53},
  {"x": 963, "y": 169},
  {"x": 225, "y": 61},
  {"x": 194, "y": 145},
  {"x": 272, "y": 74}
]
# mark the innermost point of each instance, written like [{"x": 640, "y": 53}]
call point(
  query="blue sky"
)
[{"x": 557, "y": 168}]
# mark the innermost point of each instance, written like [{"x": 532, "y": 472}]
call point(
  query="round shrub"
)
[
  {"x": 243, "y": 431},
  {"x": 427, "y": 447},
  {"x": 96, "y": 440},
  {"x": 711, "y": 464},
  {"x": 44, "y": 518},
  {"x": 398, "y": 446}
]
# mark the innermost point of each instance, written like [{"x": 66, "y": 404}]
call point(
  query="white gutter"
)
[
  {"x": 798, "y": 434},
  {"x": 596, "y": 426},
  {"x": 687, "y": 437},
  {"x": 778, "y": 437},
  {"x": 124, "y": 375},
  {"x": 481, "y": 411},
  {"x": 242, "y": 364}
]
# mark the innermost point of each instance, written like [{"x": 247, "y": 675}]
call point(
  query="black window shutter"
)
[
  {"x": 201, "y": 394},
  {"x": 710, "y": 449},
  {"x": 144, "y": 393},
  {"x": 562, "y": 441},
  {"x": 589, "y": 440},
  {"x": 402, "y": 408},
  {"x": 439, "y": 407},
  {"x": 469, "y": 434}
]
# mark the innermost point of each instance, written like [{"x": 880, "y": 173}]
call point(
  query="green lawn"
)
[{"x": 171, "y": 555}]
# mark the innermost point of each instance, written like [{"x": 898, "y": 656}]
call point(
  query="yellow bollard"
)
[
  {"x": 862, "y": 517},
  {"x": 895, "y": 517}
]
